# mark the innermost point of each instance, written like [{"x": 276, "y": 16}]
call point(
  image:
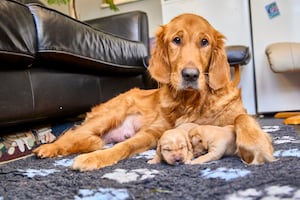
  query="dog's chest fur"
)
[{"x": 201, "y": 107}]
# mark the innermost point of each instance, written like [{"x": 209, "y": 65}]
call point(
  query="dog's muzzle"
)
[{"x": 190, "y": 78}]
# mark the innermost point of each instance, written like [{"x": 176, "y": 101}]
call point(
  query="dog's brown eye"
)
[
  {"x": 177, "y": 40},
  {"x": 204, "y": 43}
]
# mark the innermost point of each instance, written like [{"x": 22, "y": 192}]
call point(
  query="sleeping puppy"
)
[
  {"x": 174, "y": 146},
  {"x": 211, "y": 143}
]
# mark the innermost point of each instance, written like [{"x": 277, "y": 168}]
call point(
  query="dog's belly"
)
[{"x": 130, "y": 126}]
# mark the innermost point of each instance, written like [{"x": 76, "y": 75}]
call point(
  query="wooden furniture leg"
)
[{"x": 292, "y": 118}]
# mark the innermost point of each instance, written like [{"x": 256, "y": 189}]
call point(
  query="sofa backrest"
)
[
  {"x": 17, "y": 34},
  {"x": 132, "y": 25},
  {"x": 66, "y": 40}
]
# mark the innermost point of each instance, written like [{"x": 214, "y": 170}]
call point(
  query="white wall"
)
[
  {"x": 90, "y": 9},
  {"x": 275, "y": 92}
]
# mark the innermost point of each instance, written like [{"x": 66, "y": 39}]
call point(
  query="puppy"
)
[
  {"x": 211, "y": 143},
  {"x": 174, "y": 146}
]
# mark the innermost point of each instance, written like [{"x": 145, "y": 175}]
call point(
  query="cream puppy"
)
[
  {"x": 174, "y": 146},
  {"x": 211, "y": 143}
]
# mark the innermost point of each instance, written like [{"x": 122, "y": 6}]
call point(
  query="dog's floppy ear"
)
[
  {"x": 219, "y": 70},
  {"x": 159, "y": 67}
]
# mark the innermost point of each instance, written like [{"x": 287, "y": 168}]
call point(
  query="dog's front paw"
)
[
  {"x": 258, "y": 152},
  {"x": 94, "y": 160},
  {"x": 47, "y": 151},
  {"x": 86, "y": 162},
  {"x": 255, "y": 157}
]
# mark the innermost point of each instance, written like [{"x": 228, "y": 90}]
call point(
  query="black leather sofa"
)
[{"x": 53, "y": 66}]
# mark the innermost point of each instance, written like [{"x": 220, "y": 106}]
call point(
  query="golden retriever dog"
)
[
  {"x": 174, "y": 146},
  {"x": 189, "y": 62},
  {"x": 211, "y": 143}
]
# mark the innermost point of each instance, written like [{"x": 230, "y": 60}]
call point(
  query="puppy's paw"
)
[
  {"x": 196, "y": 162},
  {"x": 188, "y": 162},
  {"x": 153, "y": 161},
  {"x": 47, "y": 151}
]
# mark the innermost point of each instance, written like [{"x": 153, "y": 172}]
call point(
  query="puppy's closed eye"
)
[
  {"x": 183, "y": 146},
  {"x": 166, "y": 149}
]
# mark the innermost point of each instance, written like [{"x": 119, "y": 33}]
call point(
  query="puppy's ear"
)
[
  {"x": 158, "y": 151},
  {"x": 157, "y": 157},
  {"x": 159, "y": 67},
  {"x": 188, "y": 142},
  {"x": 192, "y": 133},
  {"x": 219, "y": 70},
  {"x": 198, "y": 137}
]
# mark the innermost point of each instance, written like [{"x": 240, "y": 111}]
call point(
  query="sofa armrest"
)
[
  {"x": 131, "y": 25},
  {"x": 238, "y": 55},
  {"x": 284, "y": 57}
]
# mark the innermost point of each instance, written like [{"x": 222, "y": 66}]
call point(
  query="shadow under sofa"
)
[{"x": 53, "y": 66}]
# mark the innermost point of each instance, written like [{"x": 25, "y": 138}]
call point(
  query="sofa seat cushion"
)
[
  {"x": 62, "y": 38},
  {"x": 18, "y": 42},
  {"x": 284, "y": 57}
]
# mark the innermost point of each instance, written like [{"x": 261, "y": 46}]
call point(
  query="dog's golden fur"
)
[{"x": 190, "y": 64}]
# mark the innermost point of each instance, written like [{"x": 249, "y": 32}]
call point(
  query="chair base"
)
[{"x": 290, "y": 118}]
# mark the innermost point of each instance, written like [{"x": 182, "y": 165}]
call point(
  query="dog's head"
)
[
  {"x": 189, "y": 53},
  {"x": 174, "y": 147},
  {"x": 198, "y": 142}
]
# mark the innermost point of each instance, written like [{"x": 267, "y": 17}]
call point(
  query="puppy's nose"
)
[
  {"x": 190, "y": 74},
  {"x": 178, "y": 161}
]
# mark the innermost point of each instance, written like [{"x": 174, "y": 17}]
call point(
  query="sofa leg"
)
[{"x": 237, "y": 74}]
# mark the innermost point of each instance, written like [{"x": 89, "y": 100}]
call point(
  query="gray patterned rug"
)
[{"x": 228, "y": 178}]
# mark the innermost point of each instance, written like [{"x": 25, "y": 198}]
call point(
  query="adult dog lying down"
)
[{"x": 190, "y": 64}]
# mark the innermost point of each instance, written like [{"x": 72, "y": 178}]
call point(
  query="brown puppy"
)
[
  {"x": 174, "y": 146},
  {"x": 189, "y": 62},
  {"x": 211, "y": 143}
]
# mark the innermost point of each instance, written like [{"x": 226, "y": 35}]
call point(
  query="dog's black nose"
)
[{"x": 190, "y": 74}]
